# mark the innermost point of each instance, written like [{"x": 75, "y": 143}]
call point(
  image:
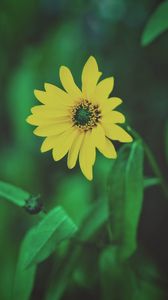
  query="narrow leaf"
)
[
  {"x": 24, "y": 278},
  {"x": 37, "y": 245},
  {"x": 133, "y": 197},
  {"x": 116, "y": 188},
  {"x": 93, "y": 222},
  {"x": 136, "y": 278},
  {"x": 149, "y": 182},
  {"x": 13, "y": 194},
  {"x": 116, "y": 277},
  {"x": 126, "y": 185},
  {"x": 55, "y": 227},
  {"x": 157, "y": 24}
]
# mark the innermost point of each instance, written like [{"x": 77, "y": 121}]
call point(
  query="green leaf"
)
[
  {"x": 24, "y": 278},
  {"x": 37, "y": 245},
  {"x": 55, "y": 227},
  {"x": 149, "y": 182},
  {"x": 116, "y": 190},
  {"x": 136, "y": 278},
  {"x": 157, "y": 24},
  {"x": 126, "y": 185},
  {"x": 116, "y": 278},
  {"x": 133, "y": 197},
  {"x": 93, "y": 222},
  {"x": 13, "y": 193}
]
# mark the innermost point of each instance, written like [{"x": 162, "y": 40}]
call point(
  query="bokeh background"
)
[{"x": 37, "y": 37}]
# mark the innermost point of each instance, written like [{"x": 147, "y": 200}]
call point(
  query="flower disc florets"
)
[{"x": 86, "y": 115}]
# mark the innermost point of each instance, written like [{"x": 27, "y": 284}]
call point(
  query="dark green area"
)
[
  {"x": 82, "y": 116},
  {"x": 120, "y": 248}
]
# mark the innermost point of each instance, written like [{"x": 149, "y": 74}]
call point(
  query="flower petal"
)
[
  {"x": 102, "y": 143},
  {"x": 68, "y": 82},
  {"x": 41, "y": 121},
  {"x": 43, "y": 111},
  {"x": 90, "y": 77},
  {"x": 108, "y": 149},
  {"x": 41, "y": 96},
  {"x": 63, "y": 143},
  {"x": 104, "y": 89},
  {"x": 111, "y": 104},
  {"x": 74, "y": 150},
  {"x": 48, "y": 143},
  {"x": 113, "y": 117},
  {"x": 87, "y": 156},
  {"x": 98, "y": 136},
  {"x": 52, "y": 129},
  {"x": 56, "y": 96},
  {"x": 114, "y": 132}
]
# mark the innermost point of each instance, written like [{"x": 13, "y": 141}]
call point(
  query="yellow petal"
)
[
  {"x": 51, "y": 142},
  {"x": 56, "y": 96},
  {"x": 38, "y": 108},
  {"x": 90, "y": 77},
  {"x": 115, "y": 101},
  {"x": 63, "y": 143},
  {"x": 114, "y": 132},
  {"x": 113, "y": 117},
  {"x": 41, "y": 121},
  {"x": 102, "y": 143},
  {"x": 103, "y": 89},
  {"x": 42, "y": 111},
  {"x": 74, "y": 150},
  {"x": 68, "y": 82},
  {"x": 33, "y": 120},
  {"x": 41, "y": 96},
  {"x": 108, "y": 149},
  {"x": 53, "y": 129},
  {"x": 98, "y": 136},
  {"x": 111, "y": 104},
  {"x": 53, "y": 96},
  {"x": 87, "y": 156},
  {"x": 48, "y": 143}
]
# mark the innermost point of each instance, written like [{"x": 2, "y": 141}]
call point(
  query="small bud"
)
[{"x": 33, "y": 205}]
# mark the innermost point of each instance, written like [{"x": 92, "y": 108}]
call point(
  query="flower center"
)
[
  {"x": 82, "y": 116},
  {"x": 85, "y": 115}
]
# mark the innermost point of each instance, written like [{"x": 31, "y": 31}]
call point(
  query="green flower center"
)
[
  {"x": 82, "y": 116},
  {"x": 86, "y": 115}
]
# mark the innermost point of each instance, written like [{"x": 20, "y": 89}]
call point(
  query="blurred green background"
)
[{"x": 37, "y": 37}]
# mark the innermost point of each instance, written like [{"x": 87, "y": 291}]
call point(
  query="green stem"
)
[{"x": 152, "y": 161}]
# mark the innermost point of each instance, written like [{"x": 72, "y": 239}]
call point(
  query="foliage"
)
[
  {"x": 157, "y": 24},
  {"x": 125, "y": 197},
  {"x": 37, "y": 245}
]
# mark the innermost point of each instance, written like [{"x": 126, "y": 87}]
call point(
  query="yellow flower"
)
[{"x": 78, "y": 121}]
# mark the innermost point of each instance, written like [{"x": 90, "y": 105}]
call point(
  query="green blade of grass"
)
[
  {"x": 38, "y": 244},
  {"x": 126, "y": 185},
  {"x": 116, "y": 277},
  {"x": 92, "y": 224},
  {"x": 157, "y": 24},
  {"x": 133, "y": 197},
  {"x": 24, "y": 278},
  {"x": 54, "y": 228},
  {"x": 149, "y": 182},
  {"x": 13, "y": 194}
]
